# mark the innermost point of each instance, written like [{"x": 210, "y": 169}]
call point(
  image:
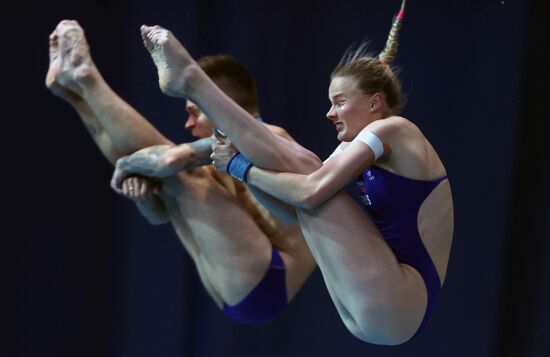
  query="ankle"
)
[
  {"x": 192, "y": 77},
  {"x": 88, "y": 80},
  {"x": 86, "y": 76}
]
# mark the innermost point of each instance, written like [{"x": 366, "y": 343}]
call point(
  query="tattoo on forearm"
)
[
  {"x": 200, "y": 153},
  {"x": 145, "y": 161}
]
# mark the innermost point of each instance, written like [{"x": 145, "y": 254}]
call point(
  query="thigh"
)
[
  {"x": 235, "y": 248},
  {"x": 370, "y": 288},
  {"x": 297, "y": 158},
  {"x": 341, "y": 228}
]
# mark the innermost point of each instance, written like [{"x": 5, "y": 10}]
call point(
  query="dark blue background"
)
[{"x": 84, "y": 275}]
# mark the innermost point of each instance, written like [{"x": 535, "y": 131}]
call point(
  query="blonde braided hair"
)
[
  {"x": 388, "y": 54},
  {"x": 374, "y": 74}
]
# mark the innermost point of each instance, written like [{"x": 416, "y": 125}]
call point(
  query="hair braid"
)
[{"x": 388, "y": 54}]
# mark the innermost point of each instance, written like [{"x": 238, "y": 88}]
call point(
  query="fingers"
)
[
  {"x": 215, "y": 153},
  {"x": 221, "y": 155},
  {"x": 115, "y": 187},
  {"x": 223, "y": 146},
  {"x": 118, "y": 179},
  {"x": 126, "y": 188},
  {"x": 134, "y": 187},
  {"x": 221, "y": 137},
  {"x": 142, "y": 188},
  {"x": 138, "y": 188}
]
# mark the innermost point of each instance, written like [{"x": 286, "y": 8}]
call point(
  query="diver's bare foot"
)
[
  {"x": 55, "y": 63},
  {"x": 170, "y": 58},
  {"x": 71, "y": 66}
]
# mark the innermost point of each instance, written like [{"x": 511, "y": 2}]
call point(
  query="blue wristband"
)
[{"x": 238, "y": 167}]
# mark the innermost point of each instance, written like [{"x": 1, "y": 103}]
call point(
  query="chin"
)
[
  {"x": 344, "y": 137},
  {"x": 197, "y": 134}
]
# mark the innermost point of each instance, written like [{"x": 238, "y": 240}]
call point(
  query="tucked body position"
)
[
  {"x": 250, "y": 262},
  {"x": 383, "y": 270}
]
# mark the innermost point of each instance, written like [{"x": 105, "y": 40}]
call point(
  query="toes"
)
[
  {"x": 145, "y": 30},
  {"x": 145, "y": 35},
  {"x": 148, "y": 44},
  {"x": 66, "y": 26},
  {"x": 153, "y": 35},
  {"x": 159, "y": 36},
  {"x": 68, "y": 23},
  {"x": 62, "y": 24},
  {"x": 54, "y": 42}
]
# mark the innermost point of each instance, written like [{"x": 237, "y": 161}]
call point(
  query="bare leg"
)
[
  {"x": 379, "y": 300},
  {"x": 73, "y": 71},
  {"x": 180, "y": 76},
  {"x": 101, "y": 138},
  {"x": 226, "y": 242},
  {"x": 230, "y": 251}
]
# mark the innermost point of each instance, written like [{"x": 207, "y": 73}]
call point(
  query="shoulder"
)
[
  {"x": 394, "y": 127},
  {"x": 390, "y": 124}
]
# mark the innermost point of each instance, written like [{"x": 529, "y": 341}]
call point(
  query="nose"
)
[
  {"x": 190, "y": 123},
  {"x": 331, "y": 114}
]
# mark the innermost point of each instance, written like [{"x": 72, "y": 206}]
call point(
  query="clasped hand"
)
[
  {"x": 222, "y": 151},
  {"x": 134, "y": 187}
]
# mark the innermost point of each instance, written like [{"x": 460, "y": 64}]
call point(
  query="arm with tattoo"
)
[
  {"x": 163, "y": 160},
  {"x": 190, "y": 155}
]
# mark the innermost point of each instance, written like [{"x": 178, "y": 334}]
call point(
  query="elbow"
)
[
  {"x": 309, "y": 204},
  {"x": 315, "y": 192},
  {"x": 309, "y": 200}
]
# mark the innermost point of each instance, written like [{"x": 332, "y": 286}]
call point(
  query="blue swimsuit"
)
[
  {"x": 393, "y": 201},
  {"x": 267, "y": 299}
]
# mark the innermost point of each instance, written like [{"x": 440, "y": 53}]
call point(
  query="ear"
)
[{"x": 376, "y": 101}]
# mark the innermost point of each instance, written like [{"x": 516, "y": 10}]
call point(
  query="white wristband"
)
[{"x": 372, "y": 141}]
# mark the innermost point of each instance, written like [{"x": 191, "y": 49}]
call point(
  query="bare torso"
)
[{"x": 224, "y": 230}]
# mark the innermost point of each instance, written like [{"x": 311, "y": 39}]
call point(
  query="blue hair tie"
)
[{"x": 238, "y": 167}]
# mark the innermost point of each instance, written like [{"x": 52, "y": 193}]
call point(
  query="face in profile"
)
[
  {"x": 350, "y": 109},
  {"x": 197, "y": 121}
]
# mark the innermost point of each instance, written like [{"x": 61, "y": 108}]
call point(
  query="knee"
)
[
  {"x": 371, "y": 334},
  {"x": 382, "y": 324},
  {"x": 305, "y": 162}
]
